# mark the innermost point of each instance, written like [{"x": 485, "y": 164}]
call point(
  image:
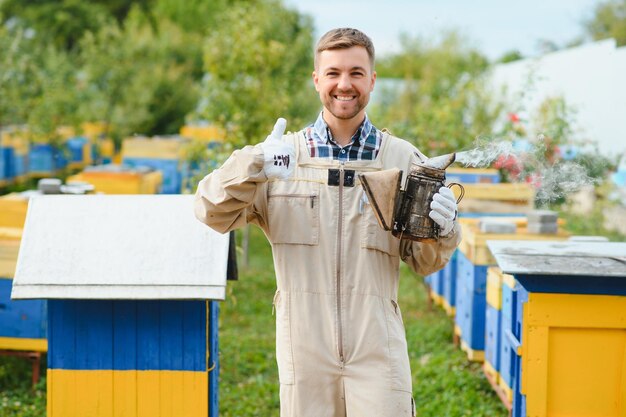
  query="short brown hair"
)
[{"x": 344, "y": 38}]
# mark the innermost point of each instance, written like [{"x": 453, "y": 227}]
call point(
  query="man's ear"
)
[
  {"x": 373, "y": 81},
  {"x": 315, "y": 80}
]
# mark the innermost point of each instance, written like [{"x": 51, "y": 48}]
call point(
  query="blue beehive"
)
[
  {"x": 132, "y": 323},
  {"x": 172, "y": 177},
  {"x": 45, "y": 159},
  {"x": 569, "y": 329},
  {"x": 449, "y": 284},
  {"x": 470, "y": 305}
]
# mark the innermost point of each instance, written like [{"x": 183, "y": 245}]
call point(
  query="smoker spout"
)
[{"x": 440, "y": 162}]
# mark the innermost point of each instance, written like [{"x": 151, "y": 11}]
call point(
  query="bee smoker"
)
[{"x": 405, "y": 211}]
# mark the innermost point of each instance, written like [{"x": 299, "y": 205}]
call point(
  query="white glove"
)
[
  {"x": 443, "y": 210},
  {"x": 280, "y": 157}
]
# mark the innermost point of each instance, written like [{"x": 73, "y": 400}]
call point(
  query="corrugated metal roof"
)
[
  {"x": 530, "y": 257},
  {"x": 119, "y": 247}
]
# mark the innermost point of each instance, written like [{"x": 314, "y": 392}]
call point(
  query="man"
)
[{"x": 340, "y": 341}]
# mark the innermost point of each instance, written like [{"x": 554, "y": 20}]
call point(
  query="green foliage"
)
[
  {"x": 137, "y": 80},
  {"x": 443, "y": 104},
  {"x": 65, "y": 22},
  {"x": 17, "y": 397},
  {"x": 258, "y": 62},
  {"x": 609, "y": 21}
]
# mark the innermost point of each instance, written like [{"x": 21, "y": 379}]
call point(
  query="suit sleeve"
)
[
  {"x": 234, "y": 194},
  {"x": 427, "y": 257}
]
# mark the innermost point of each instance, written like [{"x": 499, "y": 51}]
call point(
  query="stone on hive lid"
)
[{"x": 496, "y": 226}]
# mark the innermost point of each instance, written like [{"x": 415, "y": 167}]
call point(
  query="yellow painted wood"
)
[
  {"x": 450, "y": 310},
  {"x": 203, "y": 133},
  {"x": 473, "y": 355},
  {"x": 128, "y": 182},
  {"x": 10, "y": 238},
  {"x": 494, "y": 287},
  {"x": 158, "y": 148},
  {"x": 437, "y": 299},
  {"x": 574, "y": 355},
  {"x": 478, "y": 171},
  {"x": 27, "y": 345},
  {"x": 106, "y": 393},
  {"x": 125, "y": 393},
  {"x": 491, "y": 371},
  {"x": 508, "y": 392},
  {"x": 508, "y": 280},
  {"x": 474, "y": 243},
  {"x": 13, "y": 208},
  {"x": 498, "y": 191}
]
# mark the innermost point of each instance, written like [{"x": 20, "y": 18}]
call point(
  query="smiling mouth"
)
[{"x": 344, "y": 97}]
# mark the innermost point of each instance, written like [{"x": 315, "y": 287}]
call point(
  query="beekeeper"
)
[{"x": 340, "y": 340}]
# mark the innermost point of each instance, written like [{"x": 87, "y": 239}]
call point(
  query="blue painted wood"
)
[
  {"x": 62, "y": 334},
  {"x": 471, "y": 301},
  {"x": 566, "y": 284},
  {"x": 195, "y": 337},
  {"x": 94, "y": 334},
  {"x": 126, "y": 335},
  {"x": 509, "y": 319},
  {"x": 214, "y": 358},
  {"x": 172, "y": 176},
  {"x": 148, "y": 349},
  {"x": 171, "y": 335},
  {"x": 21, "y": 318},
  {"x": 493, "y": 322},
  {"x": 449, "y": 280}
]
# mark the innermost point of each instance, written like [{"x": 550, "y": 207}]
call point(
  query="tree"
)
[
  {"x": 443, "y": 104},
  {"x": 64, "y": 22},
  {"x": 258, "y": 63},
  {"x": 609, "y": 21}
]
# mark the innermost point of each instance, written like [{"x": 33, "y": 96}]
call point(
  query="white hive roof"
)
[{"x": 119, "y": 247}]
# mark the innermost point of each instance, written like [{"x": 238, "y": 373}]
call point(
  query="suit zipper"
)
[{"x": 339, "y": 251}]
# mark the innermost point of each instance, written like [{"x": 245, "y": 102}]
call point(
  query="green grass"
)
[{"x": 444, "y": 382}]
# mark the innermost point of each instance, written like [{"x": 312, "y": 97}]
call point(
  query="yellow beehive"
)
[
  {"x": 13, "y": 210},
  {"x": 474, "y": 242},
  {"x": 496, "y": 198},
  {"x": 573, "y": 360},
  {"x": 209, "y": 133},
  {"x": 10, "y": 238},
  {"x": 153, "y": 148},
  {"x": 122, "y": 181}
]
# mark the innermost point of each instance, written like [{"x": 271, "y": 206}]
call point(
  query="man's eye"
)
[{"x": 357, "y": 74}]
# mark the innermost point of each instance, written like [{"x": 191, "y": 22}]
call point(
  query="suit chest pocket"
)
[{"x": 294, "y": 213}]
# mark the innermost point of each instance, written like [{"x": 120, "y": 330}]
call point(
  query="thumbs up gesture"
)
[{"x": 280, "y": 156}]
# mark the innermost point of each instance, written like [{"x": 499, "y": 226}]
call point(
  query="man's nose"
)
[{"x": 344, "y": 82}]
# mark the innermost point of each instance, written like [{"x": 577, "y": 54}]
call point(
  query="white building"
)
[{"x": 591, "y": 78}]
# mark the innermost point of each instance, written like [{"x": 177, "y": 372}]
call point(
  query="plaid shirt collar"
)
[{"x": 324, "y": 136}]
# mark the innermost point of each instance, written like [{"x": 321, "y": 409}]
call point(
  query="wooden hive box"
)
[
  {"x": 570, "y": 326},
  {"x": 131, "y": 284}
]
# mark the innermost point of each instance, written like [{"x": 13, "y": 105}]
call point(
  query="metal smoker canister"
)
[{"x": 411, "y": 220}]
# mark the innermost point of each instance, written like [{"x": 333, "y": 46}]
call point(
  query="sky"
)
[{"x": 494, "y": 27}]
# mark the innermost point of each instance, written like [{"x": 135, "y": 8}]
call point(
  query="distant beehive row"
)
[
  {"x": 511, "y": 323},
  {"x": 20, "y": 159}
]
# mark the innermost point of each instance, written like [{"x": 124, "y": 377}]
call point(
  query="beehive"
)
[
  {"x": 160, "y": 153},
  {"x": 132, "y": 322},
  {"x": 115, "y": 179},
  {"x": 571, "y": 326}
]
